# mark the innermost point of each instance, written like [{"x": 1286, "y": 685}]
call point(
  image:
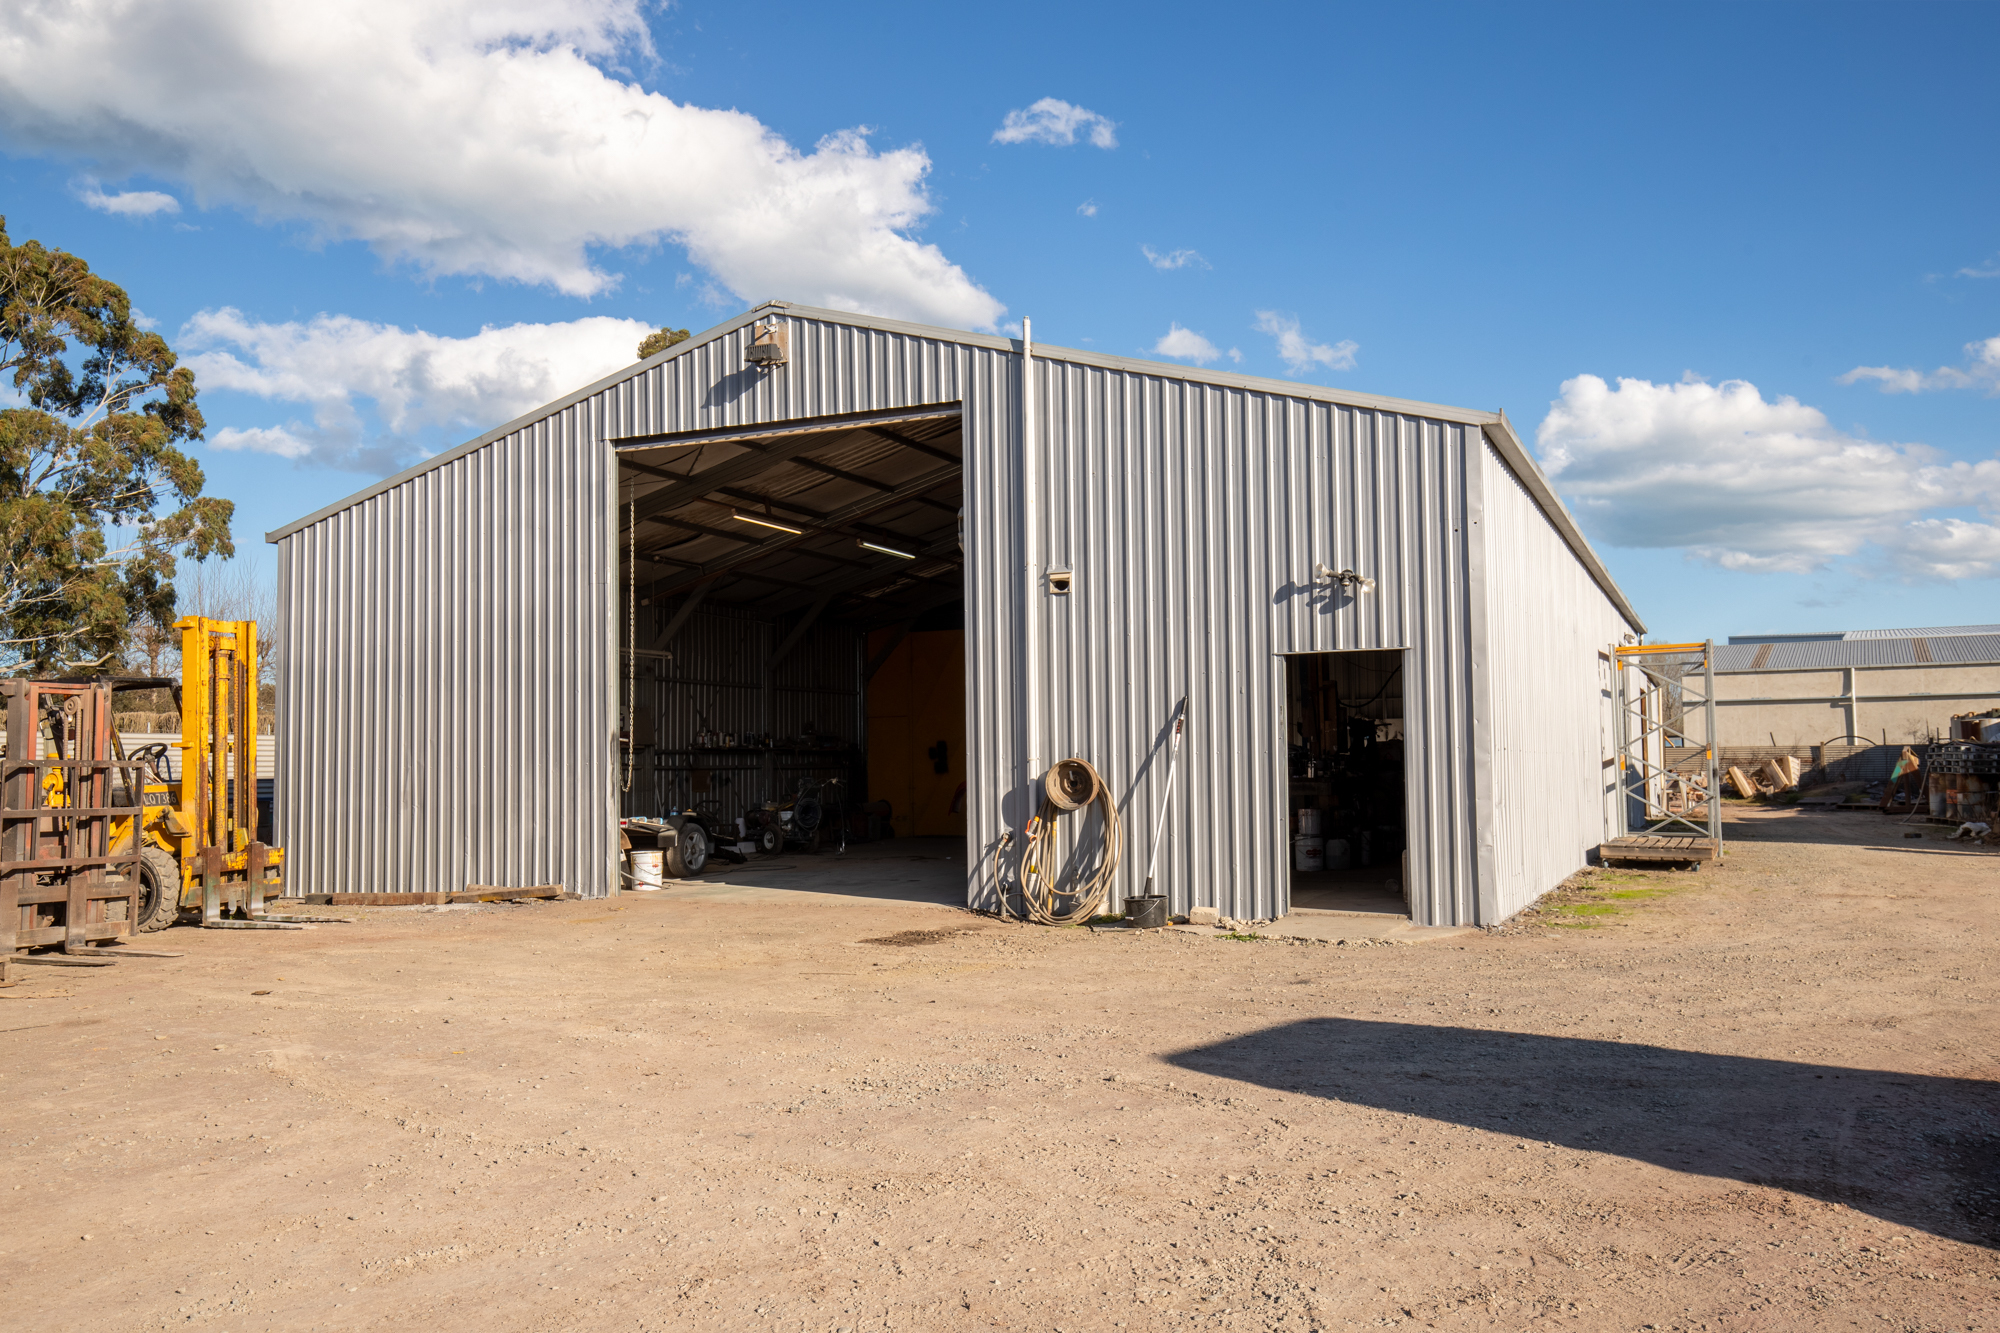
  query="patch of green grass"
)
[
  {"x": 1637, "y": 893},
  {"x": 1590, "y": 909},
  {"x": 1241, "y": 935}
]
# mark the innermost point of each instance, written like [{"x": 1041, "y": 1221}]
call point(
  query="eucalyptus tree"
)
[{"x": 97, "y": 497}]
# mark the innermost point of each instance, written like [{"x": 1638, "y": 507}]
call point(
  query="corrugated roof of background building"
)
[
  {"x": 1913, "y": 650},
  {"x": 1837, "y": 636},
  {"x": 1941, "y": 632}
]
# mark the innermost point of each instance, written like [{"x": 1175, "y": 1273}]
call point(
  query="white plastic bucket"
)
[
  {"x": 1308, "y": 823},
  {"x": 647, "y": 870},
  {"x": 1309, "y": 853},
  {"x": 1336, "y": 854}
]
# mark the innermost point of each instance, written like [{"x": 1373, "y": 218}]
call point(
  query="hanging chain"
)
[{"x": 631, "y": 632}]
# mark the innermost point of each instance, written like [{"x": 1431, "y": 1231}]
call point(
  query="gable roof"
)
[{"x": 1498, "y": 431}]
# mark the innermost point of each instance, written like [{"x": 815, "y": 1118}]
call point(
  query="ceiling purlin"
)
[
  {"x": 683, "y": 488},
  {"x": 859, "y": 509}
]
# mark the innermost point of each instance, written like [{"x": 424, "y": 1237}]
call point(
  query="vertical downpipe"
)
[{"x": 1031, "y": 522}]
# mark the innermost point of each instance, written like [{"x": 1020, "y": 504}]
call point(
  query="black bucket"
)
[{"x": 1147, "y": 913}]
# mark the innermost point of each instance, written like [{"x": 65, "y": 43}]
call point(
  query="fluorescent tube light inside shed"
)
[
  {"x": 889, "y": 550},
  {"x": 741, "y": 517}
]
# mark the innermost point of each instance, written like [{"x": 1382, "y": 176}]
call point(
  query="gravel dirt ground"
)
[{"x": 1755, "y": 1097}]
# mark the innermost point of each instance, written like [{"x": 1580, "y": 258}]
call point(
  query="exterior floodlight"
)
[
  {"x": 770, "y": 347},
  {"x": 889, "y": 550},
  {"x": 1346, "y": 578},
  {"x": 741, "y": 517}
]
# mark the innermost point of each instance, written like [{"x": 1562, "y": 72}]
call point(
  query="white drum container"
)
[
  {"x": 1309, "y": 823},
  {"x": 646, "y": 871},
  {"x": 1336, "y": 854},
  {"x": 1309, "y": 853}
]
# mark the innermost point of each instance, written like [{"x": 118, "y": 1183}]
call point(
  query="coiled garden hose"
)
[{"x": 1071, "y": 785}]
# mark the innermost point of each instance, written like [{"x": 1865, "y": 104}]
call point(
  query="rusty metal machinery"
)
[{"x": 64, "y": 878}]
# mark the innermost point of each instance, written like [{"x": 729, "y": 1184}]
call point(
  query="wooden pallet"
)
[{"x": 1640, "y": 847}]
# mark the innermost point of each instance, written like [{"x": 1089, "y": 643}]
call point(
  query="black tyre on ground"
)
[
  {"x": 159, "y": 890},
  {"x": 769, "y": 840},
  {"x": 689, "y": 853}
]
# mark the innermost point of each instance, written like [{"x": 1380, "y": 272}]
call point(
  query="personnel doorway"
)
[{"x": 1347, "y": 827}]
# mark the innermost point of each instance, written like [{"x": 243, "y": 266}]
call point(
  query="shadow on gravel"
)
[{"x": 1917, "y": 1151}]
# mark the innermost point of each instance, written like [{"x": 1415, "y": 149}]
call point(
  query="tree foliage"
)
[
  {"x": 96, "y": 500},
  {"x": 660, "y": 340}
]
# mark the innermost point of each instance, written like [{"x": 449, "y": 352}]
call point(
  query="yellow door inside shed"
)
[{"x": 916, "y": 732}]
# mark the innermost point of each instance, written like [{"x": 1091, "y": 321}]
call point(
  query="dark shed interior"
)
[{"x": 794, "y": 601}]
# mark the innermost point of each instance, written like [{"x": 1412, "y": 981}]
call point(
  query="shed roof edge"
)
[
  {"x": 1507, "y": 444},
  {"x": 1494, "y": 425}
]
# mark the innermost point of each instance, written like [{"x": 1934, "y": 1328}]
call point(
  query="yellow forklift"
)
[
  {"x": 97, "y": 845},
  {"x": 198, "y": 838}
]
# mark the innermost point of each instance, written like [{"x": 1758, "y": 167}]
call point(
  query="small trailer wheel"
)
[{"x": 688, "y": 855}]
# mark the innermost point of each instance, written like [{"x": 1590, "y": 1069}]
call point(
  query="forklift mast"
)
[
  {"x": 223, "y": 866},
  {"x": 219, "y": 730}
]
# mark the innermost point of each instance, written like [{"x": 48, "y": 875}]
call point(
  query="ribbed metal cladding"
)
[
  {"x": 446, "y": 700},
  {"x": 1191, "y": 516},
  {"x": 1553, "y": 733},
  {"x": 716, "y": 681}
]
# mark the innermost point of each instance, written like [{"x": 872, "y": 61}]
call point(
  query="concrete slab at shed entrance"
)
[{"x": 911, "y": 870}]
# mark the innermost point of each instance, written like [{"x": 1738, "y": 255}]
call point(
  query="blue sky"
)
[{"x": 1771, "y": 232}]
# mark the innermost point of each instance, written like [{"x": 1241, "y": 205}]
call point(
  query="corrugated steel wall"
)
[
  {"x": 716, "y": 681},
  {"x": 1192, "y": 516},
  {"x": 446, "y": 699},
  {"x": 1548, "y": 692},
  {"x": 449, "y": 690}
]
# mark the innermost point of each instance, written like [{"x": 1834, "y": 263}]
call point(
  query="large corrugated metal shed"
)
[{"x": 458, "y": 625}]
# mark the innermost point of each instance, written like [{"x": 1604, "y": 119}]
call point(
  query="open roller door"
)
[{"x": 767, "y": 577}]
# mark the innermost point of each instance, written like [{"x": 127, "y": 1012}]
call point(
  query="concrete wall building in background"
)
[{"x": 1893, "y": 687}]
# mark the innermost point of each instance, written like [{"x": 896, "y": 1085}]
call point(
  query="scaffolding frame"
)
[{"x": 1661, "y": 688}]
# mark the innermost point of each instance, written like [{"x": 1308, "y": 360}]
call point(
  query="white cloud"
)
[
  {"x": 1299, "y": 353},
  {"x": 1991, "y": 269},
  {"x": 473, "y": 138},
  {"x": 1948, "y": 548},
  {"x": 262, "y": 440},
  {"x": 1052, "y": 120},
  {"x": 1088, "y": 208},
  {"x": 1981, "y": 370},
  {"x": 1173, "y": 259},
  {"x": 411, "y": 382},
  {"x": 1187, "y": 345},
  {"x": 1761, "y": 485},
  {"x": 127, "y": 203}
]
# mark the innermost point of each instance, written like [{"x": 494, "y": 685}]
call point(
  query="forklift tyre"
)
[
  {"x": 689, "y": 853},
  {"x": 159, "y": 890}
]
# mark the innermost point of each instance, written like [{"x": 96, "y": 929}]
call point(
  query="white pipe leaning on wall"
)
[{"x": 1031, "y": 522}]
